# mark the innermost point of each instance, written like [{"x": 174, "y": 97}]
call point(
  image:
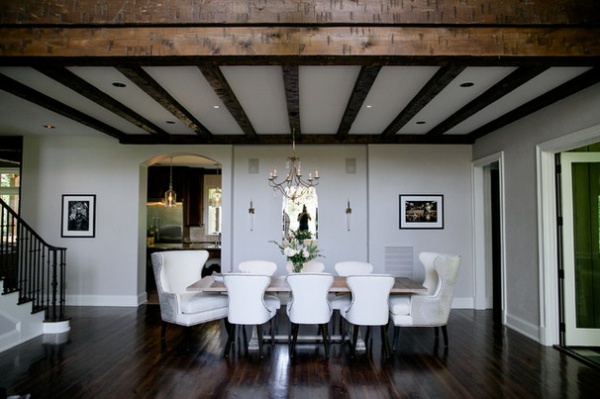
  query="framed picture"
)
[
  {"x": 78, "y": 215},
  {"x": 422, "y": 211}
]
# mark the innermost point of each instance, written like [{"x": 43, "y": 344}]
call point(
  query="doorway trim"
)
[
  {"x": 481, "y": 234},
  {"x": 549, "y": 333}
]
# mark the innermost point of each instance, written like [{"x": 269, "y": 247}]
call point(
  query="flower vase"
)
[{"x": 297, "y": 267}]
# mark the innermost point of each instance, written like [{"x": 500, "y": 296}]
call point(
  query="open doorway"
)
[
  {"x": 489, "y": 236},
  {"x": 183, "y": 209}
]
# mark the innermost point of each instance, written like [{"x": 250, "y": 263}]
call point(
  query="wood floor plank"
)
[{"x": 116, "y": 352}]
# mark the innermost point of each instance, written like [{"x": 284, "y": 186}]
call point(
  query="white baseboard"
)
[
  {"x": 524, "y": 327},
  {"x": 463, "y": 303},
  {"x": 103, "y": 300}
]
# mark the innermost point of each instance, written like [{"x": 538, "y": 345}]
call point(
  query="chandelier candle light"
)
[{"x": 293, "y": 186}]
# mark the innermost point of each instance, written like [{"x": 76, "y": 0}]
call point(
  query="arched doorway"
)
[{"x": 193, "y": 219}]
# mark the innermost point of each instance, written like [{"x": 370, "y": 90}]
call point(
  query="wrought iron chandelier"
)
[{"x": 293, "y": 186}]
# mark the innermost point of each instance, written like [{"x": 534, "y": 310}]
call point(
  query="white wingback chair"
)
[
  {"x": 174, "y": 271},
  {"x": 308, "y": 304},
  {"x": 432, "y": 309},
  {"x": 265, "y": 267},
  {"x": 369, "y": 306},
  {"x": 248, "y": 304}
]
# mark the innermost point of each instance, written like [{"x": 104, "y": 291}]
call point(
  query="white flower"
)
[
  {"x": 305, "y": 253},
  {"x": 289, "y": 251}
]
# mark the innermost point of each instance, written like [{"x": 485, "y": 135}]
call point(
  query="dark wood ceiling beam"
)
[
  {"x": 327, "y": 41},
  {"x": 292, "y": 97},
  {"x": 92, "y": 93},
  {"x": 571, "y": 87},
  {"x": 432, "y": 88},
  {"x": 217, "y": 81},
  {"x": 118, "y": 12},
  {"x": 31, "y": 95},
  {"x": 494, "y": 93},
  {"x": 145, "y": 82},
  {"x": 281, "y": 139},
  {"x": 362, "y": 86}
]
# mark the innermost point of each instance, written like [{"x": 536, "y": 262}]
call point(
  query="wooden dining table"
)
[{"x": 402, "y": 285}]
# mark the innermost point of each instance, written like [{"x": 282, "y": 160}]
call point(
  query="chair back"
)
[
  {"x": 434, "y": 309},
  {"x": 348, "y": 268},
  {"x": 246, "y": 298},
  {"x": 370, "y": 293},
  {"x": 312, "y": 266},
  {"x": 431, "y": 276},
  {"x": 308, "y": 303},
  {"x": 174, "y": 271},
  {"x": 264, "y": 267}
]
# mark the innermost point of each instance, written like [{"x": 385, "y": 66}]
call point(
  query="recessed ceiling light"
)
[
  {"x": 369, "y": 106},
  {"x": 49, "y": 126},
  {"x": 216, "y": 106},
  {"x": 119, "y": 84},
  {"x": 421, "y": 122},
  {"x": 467, "y": 84}
]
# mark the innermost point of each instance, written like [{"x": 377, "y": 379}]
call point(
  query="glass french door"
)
[{"x": 580, "y": 186}]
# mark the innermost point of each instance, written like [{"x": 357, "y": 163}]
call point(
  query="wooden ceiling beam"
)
[
  {"x": 75, "y": 83},
  {"x": 217, "y": 81},
  {"x": 292, "y": 98},
  {"x": 34, "y": 96},
  {"x": 284, "y": 139},
  {"x": 388, "y": 41},
  {"x": 145, "y": 82},
  {"x": 362, "y": 86},
  {"x": 165, "y": 12}
]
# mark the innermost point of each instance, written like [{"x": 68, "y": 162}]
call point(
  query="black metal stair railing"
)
[{"x": 30, "y": 266}]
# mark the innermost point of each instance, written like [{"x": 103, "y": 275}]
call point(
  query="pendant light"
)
[{"x": 170, "y": 195}]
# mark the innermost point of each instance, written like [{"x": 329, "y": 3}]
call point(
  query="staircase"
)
[{"x": 32, "y": 281}]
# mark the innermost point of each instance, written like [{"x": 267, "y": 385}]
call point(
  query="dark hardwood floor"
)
[{"x": 116, "y": 353}]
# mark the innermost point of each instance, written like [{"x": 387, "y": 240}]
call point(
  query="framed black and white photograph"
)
[
  {"x": 78, "y": 215},
  {"x": 421, "y": 211}
]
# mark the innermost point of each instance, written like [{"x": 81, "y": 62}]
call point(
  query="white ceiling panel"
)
[
  {"x": 260, "y": 91},
  {"x": 391, "y": 92},
  {"x": 131, "y": 95},
  {"x": 454, "y": 97},
  {"x": 537, "y": 86},
  {"x": 324, "y": 95},
  {"x": 187, "y": 85},
  {"x": 51, "y": 88}
]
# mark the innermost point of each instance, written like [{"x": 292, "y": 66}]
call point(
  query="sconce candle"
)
[
  {"x": 348, "y": 215},
  {"x": 251, "y": 212}
]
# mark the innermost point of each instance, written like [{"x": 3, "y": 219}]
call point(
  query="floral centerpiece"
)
[{"x": 299, "y": 247}]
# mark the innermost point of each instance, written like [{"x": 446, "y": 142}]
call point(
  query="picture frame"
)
[
  {"x": 421, "y": 211},
  {"x": 78, "y": 215}
]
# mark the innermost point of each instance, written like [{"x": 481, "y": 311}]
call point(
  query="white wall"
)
[
  {"x": 422, "y": 169},
  {"x": 110, "y": 268},
  {"x": 518, "y": 141}
]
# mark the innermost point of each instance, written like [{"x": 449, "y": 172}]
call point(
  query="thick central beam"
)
[{"x": 163, "y": 41}]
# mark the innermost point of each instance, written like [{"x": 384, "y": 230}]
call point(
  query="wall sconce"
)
[
  {"x": 251, "y": 212},
  {"x": 348, "y": 215}
]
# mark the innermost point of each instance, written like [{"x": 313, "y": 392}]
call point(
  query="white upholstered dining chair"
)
[
  {"x": 347, "y": 268},
  {"x": 265, "y": 267},
  {"x": 308, "y": 304},
  {"x": 174, "y": 271},
  {"x": 369, "y": 305},
  {"x": 248, "y": 305},
  {"x": 431, "y": 309}
]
